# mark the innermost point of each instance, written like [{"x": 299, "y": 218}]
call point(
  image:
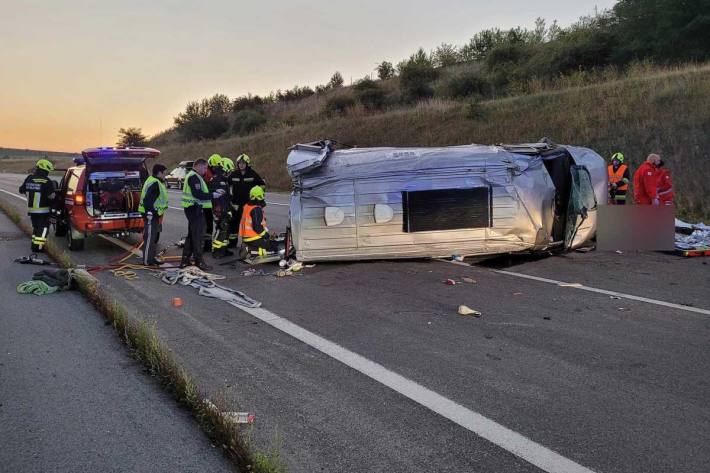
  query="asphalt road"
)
[
  {"x": 71, "y": 398},
  {"x": 610, "y": 384}
]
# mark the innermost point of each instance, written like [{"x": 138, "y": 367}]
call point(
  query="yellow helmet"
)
[
  {"x": 214, "y": 160},
  {"x": 619, "y": 156},
  {"x": 256, "y": 193},
  {"x": 45, "y": 165},
  {"x": 245, "y": 158},
  {"x": 227, "y": 164}
]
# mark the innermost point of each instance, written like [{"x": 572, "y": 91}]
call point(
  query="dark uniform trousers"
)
[
  {"x": 151, "y": 232},
  {"x": 40, "y": 230},
  {"x": 194, "y": 243}
]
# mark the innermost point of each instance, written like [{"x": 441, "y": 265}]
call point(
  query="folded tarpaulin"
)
[{"x": 59, "y": 278}]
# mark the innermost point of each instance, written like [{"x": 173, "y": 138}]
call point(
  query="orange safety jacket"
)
[
  {"x": 246, "y": 228},
  {"x": 618, "y": 176}
]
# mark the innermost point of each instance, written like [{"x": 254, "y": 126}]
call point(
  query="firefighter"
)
[
  {"x": 195, "y": 198},
  {"x": 243, "y": 179},
  {"x": 41, "y": 192},
  {"x": 665, "y": 185},
  {"x": 221, "y": 208},
  {"x": 646, "y": 181},
  {"x": 618, "y": 180},
  {"x": 213, "y": 163},
  {"x": 253, "y": 229},
  {"x": 153, "y": 204}
]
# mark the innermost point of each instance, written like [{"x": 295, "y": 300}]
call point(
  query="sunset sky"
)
[{"x": 73, "y": 72}]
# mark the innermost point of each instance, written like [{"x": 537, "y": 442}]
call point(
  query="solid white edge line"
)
[
  {"x": 607, "y": 292},
  {"x": 13, "y": 194},
  {"x": 590, "y": 289},
  {"x": 511, "y": 441}
]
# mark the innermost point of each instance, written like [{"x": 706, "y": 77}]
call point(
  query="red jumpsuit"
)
[
  {"x": 665, "y": 187},
  {"x": 646, "y": 184}
]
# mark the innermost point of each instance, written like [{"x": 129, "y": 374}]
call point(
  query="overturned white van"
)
[{"x": 382, "y": 203}]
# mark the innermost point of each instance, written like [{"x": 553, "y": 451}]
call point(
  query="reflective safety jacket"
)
[
  {"x": 620, "y": 177},
  {"x": 40, "y": 192},
  {"x": 154, "y": 196},
  {"x": 195, "y": 192},
  {"x": 253, "y": 225}
]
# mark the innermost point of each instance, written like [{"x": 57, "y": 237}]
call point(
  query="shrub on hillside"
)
[
  {"x": 297, "y": 93},
  {"x": 467, "y": 85},
  {"x": 336, "y": 81},
  {"x": 369, "y": 94},
  {"x": 416, "y": 75},
  {"x": 445, "y": 55},
  {"x": 247, "y": 121},
  {"x": 206, "y": 119},
  {"x": 338, "y": 104},
  {"x": 385, "y": 70},
  {"x": 248, "y": 102}
]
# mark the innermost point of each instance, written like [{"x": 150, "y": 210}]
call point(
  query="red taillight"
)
[{"x": 78, "y": 199}]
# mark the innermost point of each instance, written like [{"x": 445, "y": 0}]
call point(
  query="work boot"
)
[
  {"x": 204, "y": 266},
  {"x": 184, "y": 263}
]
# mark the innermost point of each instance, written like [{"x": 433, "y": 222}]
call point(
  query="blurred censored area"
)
[{"x": 636, "y": 227}]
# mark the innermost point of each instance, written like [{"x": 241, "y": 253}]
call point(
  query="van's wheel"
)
[
  {"x": 75, "y": 240},
  {"x": 60, "y": 229}
]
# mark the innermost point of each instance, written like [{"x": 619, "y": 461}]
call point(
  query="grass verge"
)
[{"x": 145, "y": 346}]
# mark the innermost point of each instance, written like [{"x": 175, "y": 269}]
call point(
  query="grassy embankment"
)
[{"x": 648, "y": 110}]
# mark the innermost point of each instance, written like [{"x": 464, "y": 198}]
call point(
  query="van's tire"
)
[
  {"x": 60, "y": 229},
  {"x": 75, "y": 240}
]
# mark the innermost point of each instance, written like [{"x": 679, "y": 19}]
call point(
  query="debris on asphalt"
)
[
  {"x": 619, "y": 252},
  {"x": 517, "y": 293},
  {"x": 469, "y": 280},
  {"x": 180, "y": 243},
  {"x": 450, "y": 282},
  {"x": 585, "y": 249},
  {"x": 466, "y": 310},
  {"x": 253, "y": 272},
  {"x": 33, "y": 259},
  {"x": 569, "y": 284},
  {"x": 614, "y": 297},
  {"x": 458, "y": 258},
  {"x": 623, "y": 309},
  {"x": 176, "y": 302},
  {"x": 206, "y": 286},
  {"x": 547, "y": 317},
  {"x": 240, "y": 417}
]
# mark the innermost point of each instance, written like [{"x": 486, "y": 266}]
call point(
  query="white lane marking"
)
[
  {"x": 517, "y": 444},
  {"x": 604, "y": 291},
  {"x": 13, "y": 194},
  {"x": 591, "y": 289}
]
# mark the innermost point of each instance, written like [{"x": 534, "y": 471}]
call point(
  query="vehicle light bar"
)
[{"x": 113, "y": 153}]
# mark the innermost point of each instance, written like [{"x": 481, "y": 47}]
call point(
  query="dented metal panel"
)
[{"x": 347, "y": 204}]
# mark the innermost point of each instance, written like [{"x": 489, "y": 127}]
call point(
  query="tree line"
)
[{"x": 492, "y": 63}]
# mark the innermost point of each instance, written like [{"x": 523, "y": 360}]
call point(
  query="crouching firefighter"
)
[
  {"x": 195, "y": 198},
  {"x": 253, "y": 230},
  {"x": 221, "y": 208},
  {"x": 154, "y": 203},
  {"x": 41, "y": 192}
]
